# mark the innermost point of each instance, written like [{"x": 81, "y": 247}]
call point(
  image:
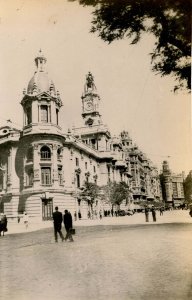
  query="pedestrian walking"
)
[
  {"x": 68, "y": 222},
  {"x": 57, "y": 222},
  {"x": 75, "y": 216},
  {"x": 3, "y": 224},
  {"x": 26, "y": 220},
  {"x": 161, "y": 211},
  {"x": 153, "y": 214},
  {"x": 146, "y": 214}
]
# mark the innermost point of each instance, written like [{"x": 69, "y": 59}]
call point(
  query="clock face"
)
[{"x": 89, "y": 106}]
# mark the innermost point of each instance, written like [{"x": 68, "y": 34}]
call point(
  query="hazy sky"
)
[{"x": 132, "y": 97}]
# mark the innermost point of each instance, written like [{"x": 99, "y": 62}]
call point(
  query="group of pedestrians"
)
[
  {"x": 153, "y": 212},
  {"x": 58, "y": 218}
]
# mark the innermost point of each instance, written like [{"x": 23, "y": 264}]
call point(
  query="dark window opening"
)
[
  {"x": 57, "y": 116},
  {"x": 77, "y": 162},
  {"x": 78, "y": 180},
  {"x": 45, "y": 153}
]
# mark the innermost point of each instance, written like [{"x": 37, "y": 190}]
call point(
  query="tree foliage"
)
[
  {"x": 188, "y": 188},
  {"x": 168, "y": 20},
  {"x": 90, "y": 192},
  {"x": 115, "y": 192}
]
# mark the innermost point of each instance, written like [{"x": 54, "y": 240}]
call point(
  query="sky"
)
[{"x": 133, "y": 98}]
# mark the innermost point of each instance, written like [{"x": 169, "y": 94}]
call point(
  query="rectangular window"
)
[
  {"x": 94, "y": 169},
  {"x": 30, "y": 177},
  {"x": 46, "y": 176},
  {"x": 78, "y": 180},
  {"x": 60, "y": 175},
  {"x": 44, "y": 113},
  {"x": 77, "y": 161},
  {"x": 93, "y": 143}
]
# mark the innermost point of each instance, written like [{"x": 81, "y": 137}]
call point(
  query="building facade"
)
[
  {"x": 42, "y": 167},
  {"x": 172, "y": 186}
]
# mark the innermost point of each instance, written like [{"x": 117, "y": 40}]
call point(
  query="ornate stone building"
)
[
  {"x": 172, "y": 186},
  {"x": 41, "y": 166}
]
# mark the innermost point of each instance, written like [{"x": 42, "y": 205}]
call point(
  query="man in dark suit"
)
[
  {"x": 67, "y": 220},
  {"x": 57, "y": 222}
]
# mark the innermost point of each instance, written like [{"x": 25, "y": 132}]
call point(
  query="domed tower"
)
[
  {"x": 41, "y": 102},
  {"x": 39, "y": 159},
  {"x": 126, "y": 140}
]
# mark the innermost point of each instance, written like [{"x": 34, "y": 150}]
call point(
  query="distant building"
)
[
  {"x": 42, "y": 167},
  {"x": 172, "y": 186}
]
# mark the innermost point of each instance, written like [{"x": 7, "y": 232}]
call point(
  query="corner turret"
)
[{"x": 41, "y": 101}]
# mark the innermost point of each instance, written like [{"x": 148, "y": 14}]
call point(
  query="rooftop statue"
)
[{"x": 89, "y": 85}]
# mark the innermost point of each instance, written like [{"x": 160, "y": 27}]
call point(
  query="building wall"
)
[{"x": 34, "y": 178}]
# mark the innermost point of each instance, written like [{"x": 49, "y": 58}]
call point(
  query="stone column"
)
[
  {"x": 9, "y": 170},
  {"x": 69, "y": 174},
  {"x": 36, "y": 166},
  {"x": 14, "y": 178},
  {"x": 54, "y": 166}
]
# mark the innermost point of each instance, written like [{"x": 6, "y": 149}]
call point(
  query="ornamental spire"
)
[{"x": 40, "y": 61}]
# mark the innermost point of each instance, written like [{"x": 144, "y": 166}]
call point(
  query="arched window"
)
[
  {"x": 30, "y": 154},
  {"x": 45, "y": 153}
]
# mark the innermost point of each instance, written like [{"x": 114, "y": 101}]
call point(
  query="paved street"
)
[{"x": 128, "y": 261}]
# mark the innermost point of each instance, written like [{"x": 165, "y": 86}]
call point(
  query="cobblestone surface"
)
[{"x": 115, "y": 261}]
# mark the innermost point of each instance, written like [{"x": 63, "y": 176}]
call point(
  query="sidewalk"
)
[{"x": 176, "y": 216}]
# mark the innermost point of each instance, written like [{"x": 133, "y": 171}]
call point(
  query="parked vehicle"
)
[
  {"x": 129, "y": 212},
  {"x": 121, "y": 213}
]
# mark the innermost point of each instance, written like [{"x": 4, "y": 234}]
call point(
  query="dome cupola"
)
[
  {"x": 41, "y": 101},
  {"x": 40, "y": 82}
]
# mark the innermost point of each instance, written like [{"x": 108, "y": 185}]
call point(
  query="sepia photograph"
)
[{"x": 95, "y": 150}]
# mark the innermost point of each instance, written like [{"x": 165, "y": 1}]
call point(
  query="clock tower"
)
[{"x": 90, "y": 102}]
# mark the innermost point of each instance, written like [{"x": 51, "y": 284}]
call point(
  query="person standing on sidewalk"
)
[
  {"x": 26, "y": 220},
  {"x": 3, "y": 224},
  {"x": 68, "y": 222},
  {"x": 161, "y": 211},
  {"x": 146, "y": 214},
  {"x": 153, "y": 214},
  {"x": 57, "y": 222}
]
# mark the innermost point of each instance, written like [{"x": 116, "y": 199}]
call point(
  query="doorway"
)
[{"x": 47, "y": 209}]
